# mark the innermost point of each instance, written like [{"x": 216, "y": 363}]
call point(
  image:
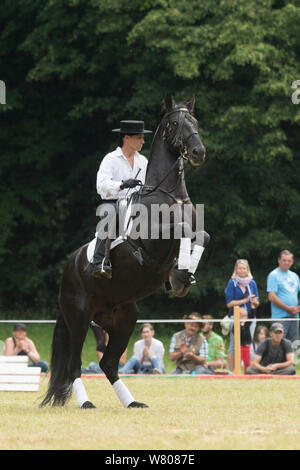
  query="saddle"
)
[{"x": 125, "y": 223}]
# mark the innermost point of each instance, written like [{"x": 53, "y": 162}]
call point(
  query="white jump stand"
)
[{"x": 16, "y": 376}]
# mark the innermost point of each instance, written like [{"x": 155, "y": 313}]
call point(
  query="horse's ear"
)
[
  {"x": 169, "y": 102},
  {"x": 191, "y": 105}
]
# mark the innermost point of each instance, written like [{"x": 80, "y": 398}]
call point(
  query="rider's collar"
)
[{"x": 119, "y": 153}]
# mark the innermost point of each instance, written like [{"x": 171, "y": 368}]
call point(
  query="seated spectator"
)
[
  {"x": 19, "y": 345},
  {"x": 216, "y": 347},
  {"x": 274, "y": 355},
  {"x": 148, "y": 354},
  {"x": 188, "y": 349},
  {"x": 101, "y": 340},
  {"x": 261, "y": 333}
]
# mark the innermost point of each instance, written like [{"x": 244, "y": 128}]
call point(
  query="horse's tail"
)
[{"x": 60, "y": 384}]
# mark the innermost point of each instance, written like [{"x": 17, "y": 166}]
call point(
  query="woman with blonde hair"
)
[{"x": 241, "y": 291}]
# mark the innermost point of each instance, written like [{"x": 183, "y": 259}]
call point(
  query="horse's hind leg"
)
[{"x": 119, "y": 333}]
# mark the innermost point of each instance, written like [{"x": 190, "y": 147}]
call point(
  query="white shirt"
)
[
  {"x": 114, "y": 169},
  {"x": 156, "y": 350}
]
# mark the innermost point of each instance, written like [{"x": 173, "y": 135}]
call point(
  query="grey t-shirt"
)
[{"x": 271, "y": 354}]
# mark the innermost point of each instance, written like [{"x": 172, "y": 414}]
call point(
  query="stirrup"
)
[
  {"x": 106, "y": 268},
  {"x": 102, "y": 270}
]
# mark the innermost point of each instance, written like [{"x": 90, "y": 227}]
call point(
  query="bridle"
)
[{"x": 173, "y": 137}]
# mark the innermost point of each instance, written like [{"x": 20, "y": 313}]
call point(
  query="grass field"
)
[{"x": 183, "y": 414}]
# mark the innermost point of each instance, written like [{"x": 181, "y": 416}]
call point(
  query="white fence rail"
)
[{"x": 172, "y": 320}]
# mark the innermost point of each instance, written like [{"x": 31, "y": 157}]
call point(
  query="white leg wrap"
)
[
  {"x": 80, "y": 392},
  {"x": 184, "y": 258},
  {"x": 195, "y": 258},
  {"x": 123, "y": 393}
]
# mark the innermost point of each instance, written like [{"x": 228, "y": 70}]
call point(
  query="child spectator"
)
[
  {"x": 245, "y": 339},
  {"x": 261, "y": 333}
]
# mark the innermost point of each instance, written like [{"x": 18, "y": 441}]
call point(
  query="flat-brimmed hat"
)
[
  {"x": 132, "y": 128},
  {"x": 19, "y": 326},
  {"x": 277, "y": 327}
]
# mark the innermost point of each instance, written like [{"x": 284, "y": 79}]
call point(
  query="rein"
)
[{"x": 152, "y": 189}]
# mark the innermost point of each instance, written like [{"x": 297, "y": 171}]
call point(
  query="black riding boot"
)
[{"x": 101, "y": 267}]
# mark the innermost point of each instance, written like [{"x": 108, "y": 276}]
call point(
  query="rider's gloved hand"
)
[{"x": 131, "y": 183}]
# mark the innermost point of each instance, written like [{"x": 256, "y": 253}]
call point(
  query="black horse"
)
[{"x": 140, "y": 268}]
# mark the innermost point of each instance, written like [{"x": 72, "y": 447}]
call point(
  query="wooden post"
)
[{"x": 237, "y": 341}]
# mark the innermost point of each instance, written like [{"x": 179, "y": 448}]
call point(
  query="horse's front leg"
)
[
  {"x": 191, "y": 249},
  {"x": 124, "y": 320}
]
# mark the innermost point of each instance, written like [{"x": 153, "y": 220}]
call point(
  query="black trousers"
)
[{"x": 99, "y": 252}]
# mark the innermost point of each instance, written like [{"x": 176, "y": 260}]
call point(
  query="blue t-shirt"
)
[
  {"x": 286, "y": 285},
  {"x": 234, "y": 292}
]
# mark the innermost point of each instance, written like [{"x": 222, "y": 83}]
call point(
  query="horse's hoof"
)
[
  {"x": 184, "y": 277},
  {"x": 136, "y": 404},
  {"x": 86, "y": 405}
]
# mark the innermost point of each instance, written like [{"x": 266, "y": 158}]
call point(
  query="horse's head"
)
[{"x": 180, "y": 130}]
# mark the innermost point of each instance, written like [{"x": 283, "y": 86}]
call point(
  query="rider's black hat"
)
[{"x": 132, "y": 128}]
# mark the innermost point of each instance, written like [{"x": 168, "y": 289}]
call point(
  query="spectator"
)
[
  {"x": 216, "y": 347},
  {"x": 261, "y": 333},
  {"x": 274, "y": 355},
  {"x": 101, "y": 340},
  {"x": 19, "y": 345},
  {"x": 245, "y": 338},
  {"x": 188, "y": 349},
  {"x": 241, "y": 291},
  {"x": 283, "y": 288},
  {"x": 148, "y": 354}
]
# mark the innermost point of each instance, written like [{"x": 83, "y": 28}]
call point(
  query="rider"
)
[{"x": 117, "y": 178}]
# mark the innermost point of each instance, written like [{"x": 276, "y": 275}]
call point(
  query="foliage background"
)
[{"x": 74, "y": 68}]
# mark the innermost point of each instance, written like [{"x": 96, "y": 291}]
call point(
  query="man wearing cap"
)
[
  {"x": 120, "y": 172},
  {"x": 19, "y": 345},
  {"x": 274, "y": 355},
  {"x": 188, "y": 349}
]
